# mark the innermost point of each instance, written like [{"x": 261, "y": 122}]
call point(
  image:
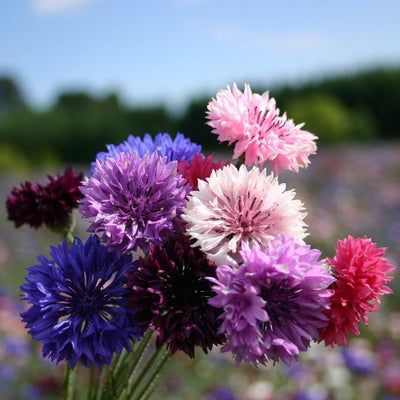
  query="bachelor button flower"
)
[
  {"x": 360, "y": 361},
  {"x": 78, "y": 303},
  {"x": 50, "y": 204},
  {"x": 133, "y": 201},
  {"x": 180, "y": 148},
  {"x": 361, "y": 275},
  {"x": 23, "y": 205},
  {"x": 170, "y": 293},
  {"x": 235, "y": 207},
  {"x": 199, "y": 168},
  {"x": 252, "y": 121},
  {"x": 60, "y": 196},
  {"x": 274, "y": 302}
]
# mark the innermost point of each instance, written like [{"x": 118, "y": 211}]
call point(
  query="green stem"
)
[
  {"x": 70, "y": 378},
  {"x": 148, "y": 388},
  {"x": 137, "y": 357},
  {"x": 90, "y": 388},
  {"x": 120, "y": 361},
  {"x": 149, "y": 393},
  {"x": 69, "y": 236},
  {"x": 100, "y": 383},
  {"x": 144, "y": 371},
  {"x": 118, "y": 372}
]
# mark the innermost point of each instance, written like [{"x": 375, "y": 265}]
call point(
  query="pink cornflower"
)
[
  {"x": 252, "y": 121},
  {"x": 361, "y": 276},
  {"x": 237, "y": 206}
]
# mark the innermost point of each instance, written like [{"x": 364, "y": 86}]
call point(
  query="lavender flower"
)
[
  {"x": 360, "y": 361},
  {"x": 274, "y": 302},
  {"x": 133, "y": 201}
]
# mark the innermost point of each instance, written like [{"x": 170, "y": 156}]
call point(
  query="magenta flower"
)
[
  {"x": 134, "y": 201},
  {"x": 362, "y": 273},
  {"x": 252, "y": 121},
  {"x": 237, "y": 206},
  {"x": 274, "y": 302}
]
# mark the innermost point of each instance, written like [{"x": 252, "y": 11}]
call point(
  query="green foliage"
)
[
  {"x": 12, "y": 160},
  {"x": 11, "y": 98},
  {"x": 354, "y": 107},
  {"x": 375, "y": 92},
  {"x": 326, "y": 117},
  {"x": 193, "y": 123}
]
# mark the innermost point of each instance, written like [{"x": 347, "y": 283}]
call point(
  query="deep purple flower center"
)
[
  {"x": 187, "y": 291},
  {"x": 88, "y": 303},
  {"x": 281, "y": 304}
]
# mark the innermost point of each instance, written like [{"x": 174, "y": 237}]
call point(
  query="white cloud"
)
[
  {"x": 261, "y": 40},
  {"x": 57, "y": 6}
]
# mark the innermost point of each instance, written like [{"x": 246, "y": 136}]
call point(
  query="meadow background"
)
[{"x": 60, "y": 105}]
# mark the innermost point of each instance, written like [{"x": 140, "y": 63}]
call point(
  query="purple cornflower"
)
[
  {"x": 15, "y": 346},
  {"x": 274, "y": 302},
  {"x": 310, "y": 394},
  {"x": 178, "y": 149},
  {"x": 78, "y": 303},
  {"x": 222, "y": 393},
  {"x": 359, "y": 360},
  {"x": 133, "y": 201}
]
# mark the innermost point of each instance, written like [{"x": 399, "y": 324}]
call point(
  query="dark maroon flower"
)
[
  {"x": 199, "y": 168},
  {"x": 60, "y": 196},
  {"x": 170, "y": 296},
  {"x": 51, "y": 204},
  {"x": 23, "y": 205}
]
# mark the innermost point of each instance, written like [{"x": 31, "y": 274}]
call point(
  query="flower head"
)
[
  {"x": 237, "y": 206},
  {"x": 23, "y": 205},
  {"x": 60, "y": 196},
  {"x": 180, "y": 148},
  {"x": 361, "y": 276},
  {"x": 199, "y": 168},
  {"x": 78, "y": 303},
  {"x": 50, "y": 204},
  {"x": 252, "y": 121},
  {"x": 133, "y": 201},
  {"x": 274, "y": 302},
  {"x": 170, "y": 294},
  {"x": 359, "y": 360}
]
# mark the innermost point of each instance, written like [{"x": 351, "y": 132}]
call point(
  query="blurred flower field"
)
[{"x": 349, "y": 189}]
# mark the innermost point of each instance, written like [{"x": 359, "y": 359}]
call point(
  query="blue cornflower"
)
[
  {"x": 78, "y": 299},
  {"x": 180, "y": 148},
  {"x": 359, "y": 360}
]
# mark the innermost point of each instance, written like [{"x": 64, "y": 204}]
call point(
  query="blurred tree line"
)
[{"x": 349, "y": 108}]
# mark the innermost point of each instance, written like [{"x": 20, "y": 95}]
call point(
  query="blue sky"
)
[{"x": 168, "y": 50}]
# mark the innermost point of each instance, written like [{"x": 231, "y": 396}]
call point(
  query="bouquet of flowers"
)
[{"x": 188, "y": 252}]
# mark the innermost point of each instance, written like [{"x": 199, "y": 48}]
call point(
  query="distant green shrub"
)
[
  {"x": 326, "y": 117},
  {"x": 12, "y": 160}
]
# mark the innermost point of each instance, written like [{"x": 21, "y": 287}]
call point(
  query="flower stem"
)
[
  {"x": 137, "y": 357},
  {"x": 148, "y": 387},
  {"x": 69, "y": 236},
  {"x": 100, "y": 383},
  {"x": 90, "y": 387},
  {"x": 69, "y": 386}
]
